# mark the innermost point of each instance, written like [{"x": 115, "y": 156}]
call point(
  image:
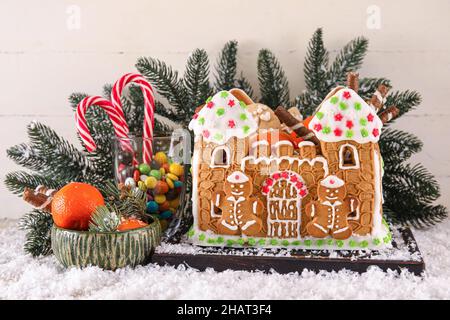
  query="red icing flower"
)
[
  {"x": 293, "y": 178},
  {"x": 231, "y": 124},
  {"x": 317, "y": 127},
  {"x": 205, "y": 133},
  {"x": 346, "y": 95},
  {"x": 299, "y": 184},
  {"x": 210, "y": 104},
  {"x": 375, "y": 132},
  {"x": 370, "y": 117},
  {"x": 338, "y": 117},
  {"x": 265, "y": 189},
  {"x": 195, "y": 116},
  {"x": 284, "y": 175},
  {"x": 231, "y": 103},
  {"x": 349, "y": 124},
  {"x": 337, "y": 132},
  {"x": 276, "y": 176},
  {"x": 302, "y": 192},
  {"x": 269, "y": 182}
]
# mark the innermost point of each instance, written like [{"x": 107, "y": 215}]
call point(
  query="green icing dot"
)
[
  {"x": 201, "y": 237},
  {"x": 242, "y": 104},
  {"x": 209, "y": 99},
  {"x": 220, "y": 112},
  {"x": 274, "y": 242},
  {"x": 320, "y": 243},
  {"x": 230, "y": 242},
  {"x": 349, "y": 133},
  {"x": 262, "y": 242},
  {"x": 364, "y": 133},
  {"x": 330, "y": 242},
  {"x": 340, "y": 243},
  {"x": 386, "y": 239},
  {"x": 285, "y": 243},
  {"x": 352, "y": 243},
  {"x": 308, "y": 243},
  {"x": 363, "y": 121},
  {"x": 191, "y": 233},
  {"x": 218, "y": 136},
  {"x": 326, "y": 130},
  {"x": 220, "y": 240},
  {"x": 201, "y": 120},
  {"x": 342, "y": 105},
  {"x": 295, "y": 243},
  {"x": 251, "y": 242},
  {"x": 211, "y": 240},
  {"x": 241, "y": 242},
  {"x": 334, "y": 100},
  {"x": 319, "y": 115},
  {"x": 243, "y": 116},
  {"x": 224, "y": 94},
  {"x": 246, "y": 129},
  {"x": 357, "y": 106},
  {"x": 364, "y": 244},
  {"x": 376, "y": 241}
]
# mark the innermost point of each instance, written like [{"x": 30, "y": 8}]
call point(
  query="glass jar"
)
[{"x": 163, "y": 179}]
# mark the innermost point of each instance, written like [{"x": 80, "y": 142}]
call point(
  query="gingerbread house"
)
[{"x": 258, "y": 183}]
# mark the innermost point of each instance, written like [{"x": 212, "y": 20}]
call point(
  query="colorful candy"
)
[
  {"x": 160, "y": 157},
  {"x": 176, "y": 169},
  {"x": 161, "y": 188},
  {"x": 156, "y": 174},
  {"x": 151, "y": 182},
  {"x": 144, "y": 168},
  {"x": 162, "y": 180}
]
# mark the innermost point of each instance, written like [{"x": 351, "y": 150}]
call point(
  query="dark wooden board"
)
[{"x": 298, "y": 260}]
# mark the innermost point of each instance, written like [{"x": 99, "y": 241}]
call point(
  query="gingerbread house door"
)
[{"x": 284, "y": 191}]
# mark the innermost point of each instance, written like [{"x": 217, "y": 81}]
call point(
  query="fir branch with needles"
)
[{"x": 273, "y": 83}]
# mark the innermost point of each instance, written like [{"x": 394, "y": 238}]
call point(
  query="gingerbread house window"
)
[
  {"x": 221, "y": 157},
  {"x": 348, "y": 157}
]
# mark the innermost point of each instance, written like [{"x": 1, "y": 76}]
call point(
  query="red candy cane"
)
[
  {"x": 149, "y": 105},
  {"x": 120, "y": 127}
]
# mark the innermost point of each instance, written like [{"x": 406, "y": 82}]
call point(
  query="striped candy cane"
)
[
  {"x": 119, "y": 125},
  {"x": 149, "y": 105}
]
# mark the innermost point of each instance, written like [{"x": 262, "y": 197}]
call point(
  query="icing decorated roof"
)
[
  {"x": 223, "y": 117},
  {"x": 346, "y": 116}
]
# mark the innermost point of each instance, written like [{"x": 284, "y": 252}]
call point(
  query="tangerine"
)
[
  {"x": 130, "y": 224},
  {"x": 73, "y": 205}
]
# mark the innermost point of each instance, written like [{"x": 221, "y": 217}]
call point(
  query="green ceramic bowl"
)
[{"x": 107, "y": 250}]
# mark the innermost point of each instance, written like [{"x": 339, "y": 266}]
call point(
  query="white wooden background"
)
[{"x": 46, "y": 53}]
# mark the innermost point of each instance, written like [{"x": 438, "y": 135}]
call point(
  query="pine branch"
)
[
  {"x": 104, "y": 220},
  {"x": 405, "y": 101},
  {"x": 17, "y": 181},
  {"x": 350, "y": 58},
  {"x": 23, "y": 155},
  {"x": 196, "y": 79},
  {"x": 37, "y": 225},
  {"x": 316, "y": 65},
  {"x": 226, "y": 67},
  {"x": 397, "y": 146},
  {"x": 307, "y": 103},
  {"x": 166, "y": 82},
  {"x": 410, "y": 184},
  {"x": 417, "y": 215},
  {"x": 60, "y": 158},
  {"x": 367, "y": 86},
  {"x": 272, "y": 80}
]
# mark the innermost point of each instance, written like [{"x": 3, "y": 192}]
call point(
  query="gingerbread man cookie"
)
[
  {"x": 240, "y": 210},
  {"x": 329, "y": 214}
]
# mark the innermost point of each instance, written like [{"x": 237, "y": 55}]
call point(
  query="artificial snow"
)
[{"x": 24, "y": 277}]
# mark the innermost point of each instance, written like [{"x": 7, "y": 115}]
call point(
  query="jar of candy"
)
[{"x": 162, "y": 176}]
